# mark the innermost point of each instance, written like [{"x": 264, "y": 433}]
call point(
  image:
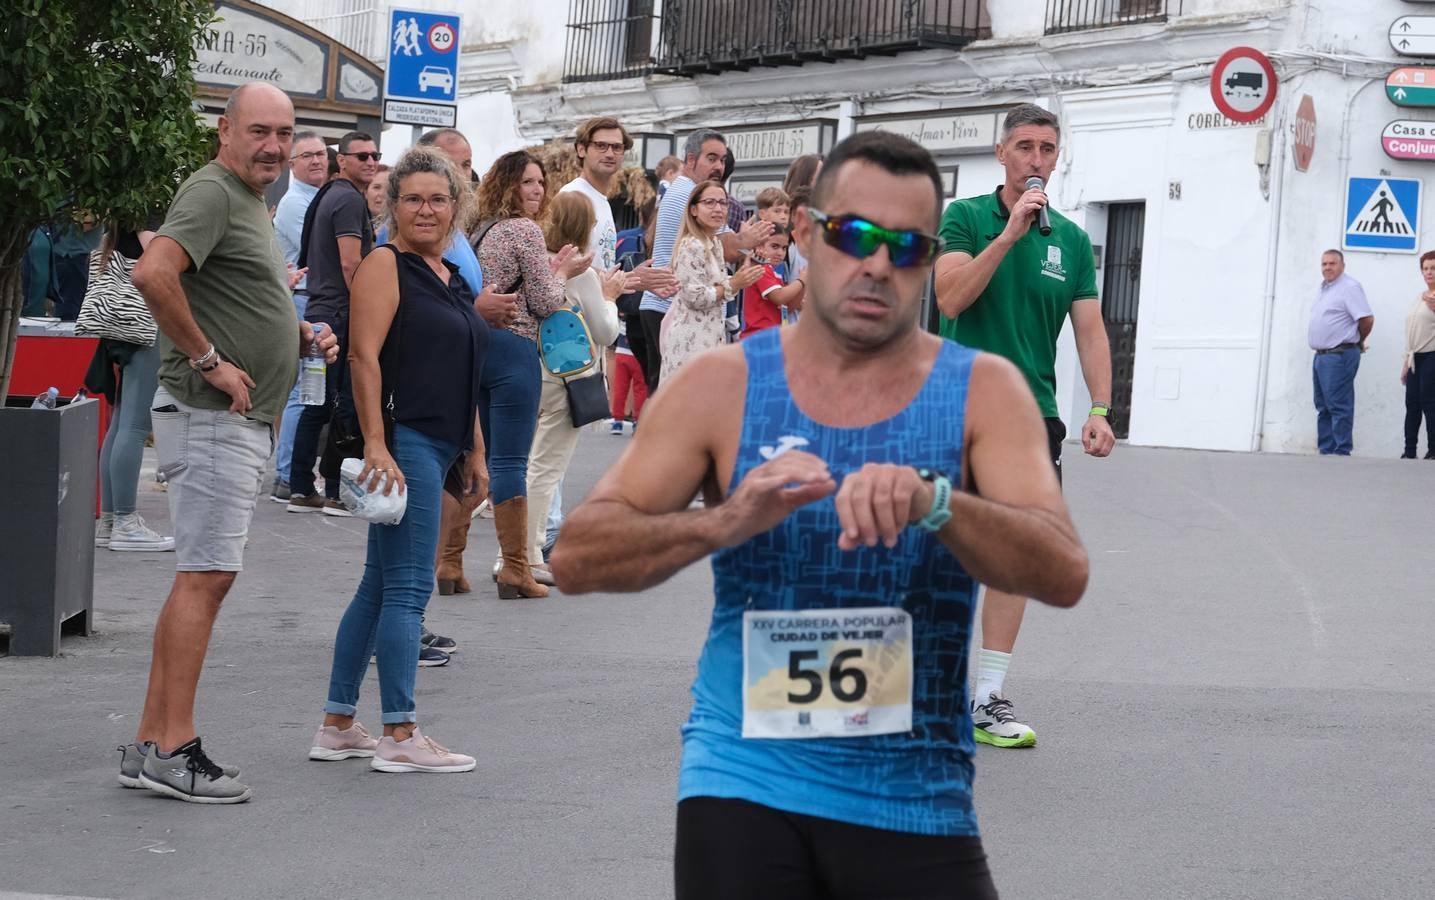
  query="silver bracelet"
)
[{"x": 198, "y": 364}]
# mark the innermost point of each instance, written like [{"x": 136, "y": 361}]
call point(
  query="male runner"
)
[
  {"x": 861, "y": 477},
  {"x": 1006, "y": 288}
]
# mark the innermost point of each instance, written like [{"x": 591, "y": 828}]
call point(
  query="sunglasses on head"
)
[
  {"x": 858, "y": 237},
  {"x": 363, "y": 156}
]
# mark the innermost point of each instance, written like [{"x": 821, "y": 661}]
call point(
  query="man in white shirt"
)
[
  {"x": 600, "y": 144},
  {"x": 308, "y": 169}
]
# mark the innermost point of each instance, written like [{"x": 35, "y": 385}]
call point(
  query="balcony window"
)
[
  {"x": 1079, "y": 15},
  {"x": 609, "y": 39},
  {"x": 616, "y": 38}
]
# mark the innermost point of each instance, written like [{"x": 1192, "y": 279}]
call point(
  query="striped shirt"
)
[{"x": 665, "y": 234}]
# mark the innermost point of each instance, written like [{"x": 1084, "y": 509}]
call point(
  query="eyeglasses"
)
[
  {"x": 364, "y": 155},
  {"x": 713, "y": 202},
  {"x": 414, "y": 203},
  {"x": 858, "y": 237},
  {"x": 606, "y": 146},
  {"x": 309, "y": 155}
]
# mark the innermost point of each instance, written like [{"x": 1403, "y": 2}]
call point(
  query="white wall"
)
[
  {"x": 1313, "y": 221},
  {"x": 1351, "y": 113}
]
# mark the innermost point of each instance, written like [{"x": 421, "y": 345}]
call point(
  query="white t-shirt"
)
[{"x": 604, "y": 241}]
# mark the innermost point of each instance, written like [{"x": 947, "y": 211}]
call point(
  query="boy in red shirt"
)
[{"x": 763, "y": 301}]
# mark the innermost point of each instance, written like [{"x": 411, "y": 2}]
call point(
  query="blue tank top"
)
[{"x": 918, "y": 781}]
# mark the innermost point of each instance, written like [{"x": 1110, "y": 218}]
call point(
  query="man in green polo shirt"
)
[
  {"x": 215, "y": 280},
  {"x": 1004, "y": 287}
]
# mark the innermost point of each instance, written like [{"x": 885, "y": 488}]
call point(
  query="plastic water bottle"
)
[
  {"x": 47, "y": 400},
  {"x": 311, "y": 376}
]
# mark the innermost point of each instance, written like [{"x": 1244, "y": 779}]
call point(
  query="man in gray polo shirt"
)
[
  {"x": 1340, "y": 322},
  {"x": 215, "y": 280}
]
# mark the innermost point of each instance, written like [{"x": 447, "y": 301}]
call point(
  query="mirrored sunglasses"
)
[{"x": 858, "y": 237}]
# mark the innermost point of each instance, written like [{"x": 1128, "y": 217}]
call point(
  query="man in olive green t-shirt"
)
[
  {"x": 215, "y": 280},
  {"x": 1004, "y": 287}
]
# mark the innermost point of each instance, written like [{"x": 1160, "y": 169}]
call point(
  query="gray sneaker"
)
[
  {"x": 103, "y": 526},
  {"x": 132, "y": 758},
  {"x": 188, "y": 774},
  {"x": 281, "y": 492},
  {"x": 131, "y": 533}
]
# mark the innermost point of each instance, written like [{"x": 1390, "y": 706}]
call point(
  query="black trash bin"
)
[{"x": 48, "y": 462}]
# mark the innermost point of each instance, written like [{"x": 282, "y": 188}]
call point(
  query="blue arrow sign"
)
[{"x": 423, "y": 56}]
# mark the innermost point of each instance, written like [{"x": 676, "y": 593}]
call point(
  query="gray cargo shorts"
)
[{"x": 214, "y": 463}]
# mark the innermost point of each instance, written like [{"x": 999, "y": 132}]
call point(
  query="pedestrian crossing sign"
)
[{"x": 1382, "y": 215}]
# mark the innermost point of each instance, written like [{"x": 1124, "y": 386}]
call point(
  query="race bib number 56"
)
[{"x": 826, "y": 672}]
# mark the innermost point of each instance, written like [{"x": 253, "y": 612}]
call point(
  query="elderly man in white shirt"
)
[{"x": 308, "y": 168}]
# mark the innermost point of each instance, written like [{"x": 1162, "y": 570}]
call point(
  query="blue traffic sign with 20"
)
[{"x": 423, "y": 56}]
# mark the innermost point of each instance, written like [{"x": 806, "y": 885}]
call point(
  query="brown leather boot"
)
[
  {"x": 515, "y": 580},
  {"x": 450, "y": 562}
]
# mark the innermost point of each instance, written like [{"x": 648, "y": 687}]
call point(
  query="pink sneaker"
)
[
  {"x": 330, "y": 743},
  {"x": 418, "y": 754}
]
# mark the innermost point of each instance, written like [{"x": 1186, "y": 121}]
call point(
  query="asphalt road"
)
[{"x": 1240, "y": 707}]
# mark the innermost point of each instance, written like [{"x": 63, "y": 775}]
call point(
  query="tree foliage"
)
[{"x": 96, "y": 114}]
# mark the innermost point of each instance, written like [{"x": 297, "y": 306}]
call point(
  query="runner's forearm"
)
[
  {"x": 584, "y": 559},
  {"x": 1029, "y": 552}
]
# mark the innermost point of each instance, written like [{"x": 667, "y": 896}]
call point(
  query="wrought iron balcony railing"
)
[
  {"x": 621, "y": 38},
  {"x": 1080, "y": 15}
]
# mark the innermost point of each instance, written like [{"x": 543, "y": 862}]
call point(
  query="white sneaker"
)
[
  {"x": 103, "y": 526},
  {"x": 995, "y": 723},
  {"x": 130, "y": 533}
]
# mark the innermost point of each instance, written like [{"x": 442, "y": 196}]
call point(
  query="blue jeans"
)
[
  {"x": 508, "y": 411},
  {"x": 123, "y": 450},
  {"x": 292, "y": 408},
  {"x": 1334, "y": 377},
  {"x": 387, "y": 611},
  {"x": 555, "y": 517}
]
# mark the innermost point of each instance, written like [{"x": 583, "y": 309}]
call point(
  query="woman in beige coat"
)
[
  {"x": 595, "y": 293},
  {"x": 1417, "y": 369}
]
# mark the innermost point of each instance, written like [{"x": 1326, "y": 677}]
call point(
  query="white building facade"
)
[{"x": 1210, "y": 235}]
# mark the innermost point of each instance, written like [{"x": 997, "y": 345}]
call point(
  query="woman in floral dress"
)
[{"x": 694, "y": 322}]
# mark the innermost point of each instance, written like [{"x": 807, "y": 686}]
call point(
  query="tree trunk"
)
[{"x": 12, "y": 265}]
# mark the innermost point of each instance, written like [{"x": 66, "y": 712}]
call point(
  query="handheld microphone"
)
[{"x": 1043, "y": 218}]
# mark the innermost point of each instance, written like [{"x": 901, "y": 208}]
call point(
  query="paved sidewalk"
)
[{"x": 1241, "y": 707}]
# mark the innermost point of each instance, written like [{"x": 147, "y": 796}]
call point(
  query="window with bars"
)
[
  {"x": 610, "y": 39},
  {"x": 1079, "y": 15}
]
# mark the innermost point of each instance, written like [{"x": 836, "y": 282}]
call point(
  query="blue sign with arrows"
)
[{"x": 423, "y": 57}]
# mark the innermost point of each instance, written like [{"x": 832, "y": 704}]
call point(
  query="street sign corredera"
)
[
  {"x": 1411, "y": 86},
  {"x": 1413, "y": 35}
]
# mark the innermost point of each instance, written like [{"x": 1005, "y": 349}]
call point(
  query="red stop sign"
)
[{"x": 1304, "y": 133}]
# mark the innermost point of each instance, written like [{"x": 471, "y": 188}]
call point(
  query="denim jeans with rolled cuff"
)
[{"x": 386, "y": 614}]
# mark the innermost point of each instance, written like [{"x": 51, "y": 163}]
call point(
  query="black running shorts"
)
[
  {"x": 1055, "y": 434},
  {"x": 733, "y": 848}
]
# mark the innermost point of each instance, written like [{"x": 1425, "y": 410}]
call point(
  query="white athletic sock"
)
[{"x": 991, "y": 671}]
